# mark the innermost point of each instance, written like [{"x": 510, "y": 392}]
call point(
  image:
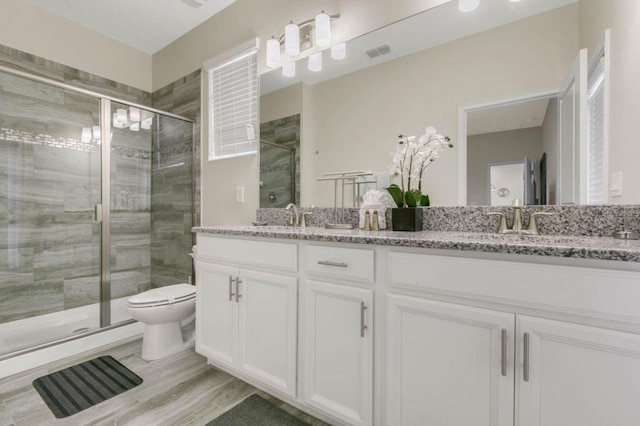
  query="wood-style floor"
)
[{"x": 178, "y": 390}]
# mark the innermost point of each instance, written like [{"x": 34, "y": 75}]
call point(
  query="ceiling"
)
[
  {"x": 425, "y": 30},
  {"x": 147, "y": 25},
  {"x": 511, "y": 117}
]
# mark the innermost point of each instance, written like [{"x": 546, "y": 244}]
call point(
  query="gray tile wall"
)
[{"x": 278, "y": 170}]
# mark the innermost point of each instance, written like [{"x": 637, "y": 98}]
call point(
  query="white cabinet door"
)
[
  {"x": 268, "y": 328},
  {"x": 577, "y": 375},
  {"x": 216, "y": 313},
  {"x": 448, "y": 364},
  {"x": 338, "y": 351}
]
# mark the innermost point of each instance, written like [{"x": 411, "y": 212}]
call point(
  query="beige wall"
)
[
  {"x": 499, "y": 147},
  {"x": 623, "y": 18},
  {"x": 33, "y": 30},
  {"x": 281, "y": 103},
  {"x": 362, "y": 113}
]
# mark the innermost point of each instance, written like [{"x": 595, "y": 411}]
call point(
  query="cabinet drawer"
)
[
  {"x": 274, "y": 255},
  {"x": 352, "y": 264},
  {"x": 599, "y": 293}
]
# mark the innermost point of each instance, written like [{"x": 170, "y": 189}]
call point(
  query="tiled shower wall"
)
[{"x": 56, "y": 265}]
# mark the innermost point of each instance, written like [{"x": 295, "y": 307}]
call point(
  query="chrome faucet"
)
[
  {"x": 298, "y": 217},
  {"x": 294, "y": 216},
  {"x": 518, "y": 227}
]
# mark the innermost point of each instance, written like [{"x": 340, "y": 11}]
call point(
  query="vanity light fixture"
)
[
  {"x": 273, "y": 53},
  {"x": 323, "y": 29},
  {"x": 339, "y": 51},
  {"x": 292, "y": 39},
  {"x": 468, "y": 5},
  {"x": 315, "y": 62},
  {"x": 289, "y": 69}
]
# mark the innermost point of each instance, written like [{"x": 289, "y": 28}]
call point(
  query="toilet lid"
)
[{"x": 164, "y": 295}]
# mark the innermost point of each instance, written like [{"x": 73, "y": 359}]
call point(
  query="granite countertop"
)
[{"x": 539, "y": 245}]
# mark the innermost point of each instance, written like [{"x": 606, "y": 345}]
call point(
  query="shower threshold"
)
[{"x": 17, "y": 336}]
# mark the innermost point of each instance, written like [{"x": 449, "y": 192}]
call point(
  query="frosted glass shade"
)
[
  {"x": 339, "y": 51},
  {"x": 146, "y": 123},
  {"x": 135, "y": 127},
  {"x": 134, "y": 114},
  {"x": 273, "y": 53},
  {"x": 315, "y": 62},
  {"x": 289, "y": 69},
  {"x": 292, "y": 39},
  {"x": 117, "y": 123},
  {"x": 323, "y": 30},
  {"x": 86, "y": 134},
  {"x": 121, "y": 116},
  {"x": 468, "y": 5},
  {"x": 97, "y": 134}
]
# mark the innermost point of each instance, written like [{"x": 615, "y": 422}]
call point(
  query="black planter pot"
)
[{"x": 406, "y": 219}]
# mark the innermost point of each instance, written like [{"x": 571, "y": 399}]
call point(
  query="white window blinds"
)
[
  {"x": 233, "y": 106},
  {"x": 596, "y": 191}
]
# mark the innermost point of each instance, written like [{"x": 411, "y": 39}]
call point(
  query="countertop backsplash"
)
[{"x": 596, "y": 221}]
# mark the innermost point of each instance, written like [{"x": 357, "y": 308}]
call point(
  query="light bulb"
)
[
  {"x": 339, "y": 51},
  {"x": 292, "y": 39},
  {"x": 468, "y": 5},
  {"x": 289, "y": 69},
  {"x": 323, "y": 30},
  {"x": 273, "y": 53},
  {"x": 315, "y": 62}
]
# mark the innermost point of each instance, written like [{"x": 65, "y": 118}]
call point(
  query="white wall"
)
[
  {"x": 31, "y": 29},
  {"x": 623, "y": 18},
  {"x": 360, "y": 115}
]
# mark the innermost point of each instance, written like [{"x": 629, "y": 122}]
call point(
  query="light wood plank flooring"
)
[{"x": 178, "y": 390}]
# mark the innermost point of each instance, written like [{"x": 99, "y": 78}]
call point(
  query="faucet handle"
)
[
  {"x": 303, "y": 218},
  {"x": 502, "y": 228},
  {"x": 533, "y": 225}
]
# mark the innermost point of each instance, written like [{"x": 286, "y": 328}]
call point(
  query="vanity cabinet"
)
[
  {"x": 246, "y": 320},
  {"x": 338, "y": 351},
  {"x": 454, "y": 364}
]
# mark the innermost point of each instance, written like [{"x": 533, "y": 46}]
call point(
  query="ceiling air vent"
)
[
  {"x": 378, "y": 51},
  {"x": 194, "y": 3}
]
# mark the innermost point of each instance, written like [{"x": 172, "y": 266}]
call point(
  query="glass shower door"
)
[{"x": 50, "y": 185}]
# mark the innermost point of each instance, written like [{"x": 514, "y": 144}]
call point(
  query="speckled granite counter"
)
[{"x": 543, "y": 245}]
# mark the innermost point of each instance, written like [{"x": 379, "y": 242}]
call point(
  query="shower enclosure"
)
[{"x": 96, "y": 204}]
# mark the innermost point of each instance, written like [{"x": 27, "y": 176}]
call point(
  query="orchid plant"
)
[{"x": 410, "y": 160}]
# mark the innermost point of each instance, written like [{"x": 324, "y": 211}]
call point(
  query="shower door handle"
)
[
  {"x": 231, "y": 293},
  {"x": 98, "y": 213}
]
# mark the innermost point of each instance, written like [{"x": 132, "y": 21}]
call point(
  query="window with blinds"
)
[
  {"x": 596, "y": 190},
  {"x": 233, "y": 106}
]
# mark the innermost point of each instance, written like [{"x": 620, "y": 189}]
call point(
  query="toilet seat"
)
[{"x": 162, "y": 296}]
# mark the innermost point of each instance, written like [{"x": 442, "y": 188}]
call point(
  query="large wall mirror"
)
[{"x": 495, "y": 80}]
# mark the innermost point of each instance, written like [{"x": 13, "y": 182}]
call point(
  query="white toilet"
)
[{"x": 164, "y": 311}]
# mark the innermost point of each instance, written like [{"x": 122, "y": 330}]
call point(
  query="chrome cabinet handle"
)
[
  {"x": 231, "y": 293},
  {"x": 525, "y": 367},
  {"x": 363, "y": 326},
  {"x": 238, "y": 295},
  {"x": 328, "y": 263},
  {"x": 504, "y": 351}
]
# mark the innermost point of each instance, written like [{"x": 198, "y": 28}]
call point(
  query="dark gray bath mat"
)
[
  {"x": 81, "y": 386},
  {"x": 256, "y": 411}
]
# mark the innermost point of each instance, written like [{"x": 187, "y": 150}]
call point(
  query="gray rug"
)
[
  {"x": 256, "y": 411},
  {"x": 69, "y": 391}
]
